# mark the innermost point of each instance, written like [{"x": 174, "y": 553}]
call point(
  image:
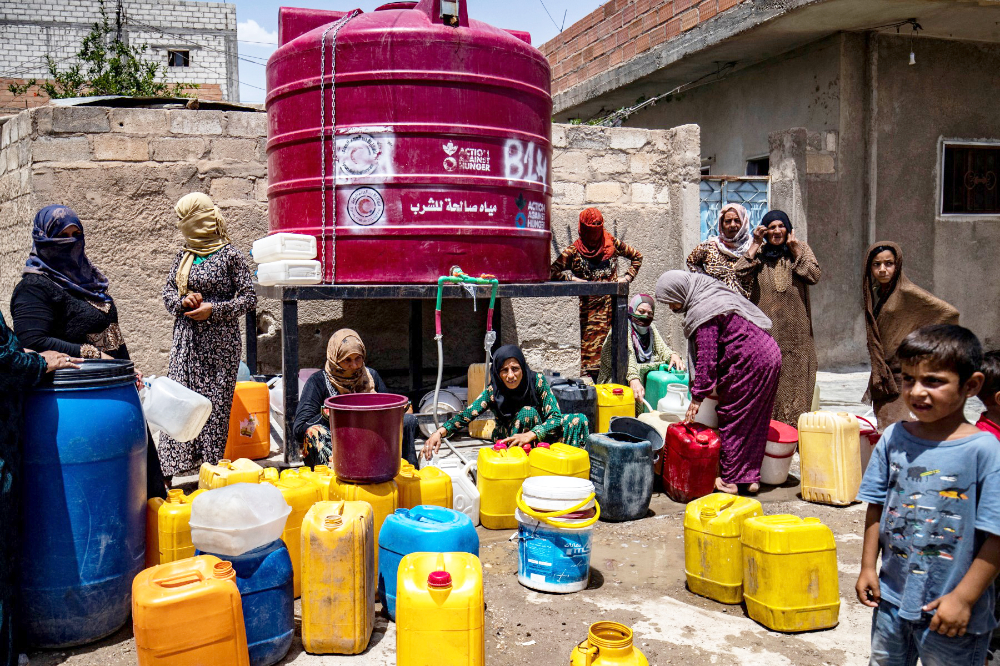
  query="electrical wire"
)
[{"x": 550, "y": 15}]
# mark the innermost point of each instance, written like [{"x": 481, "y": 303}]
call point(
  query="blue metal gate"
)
[{"x": 752, "y": 192}]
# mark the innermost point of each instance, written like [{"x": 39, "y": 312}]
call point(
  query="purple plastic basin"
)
[{"x": 367, "y": 434}]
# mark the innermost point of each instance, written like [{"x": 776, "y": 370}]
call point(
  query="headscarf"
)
[
  {"x": 509, "y": 402},
  {"x": 739, "y": 244},
  {"x": 642, "y": 339},
  {"x": 594, "y": 243},
  {"x": 342, "y": 344},
  {"x": 769, "y": 251},
  {"x": 204, "y": 231},
  {"x": 902, "y": 309},
  {"x": 64, "y": 260}
]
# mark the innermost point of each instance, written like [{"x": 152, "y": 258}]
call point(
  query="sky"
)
[{"x": 258, "y": 26}]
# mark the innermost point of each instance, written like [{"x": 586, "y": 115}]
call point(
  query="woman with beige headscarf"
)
[
  {"x": 717, "y": 257},
  {"x": 209, "y": 290},
  {"x": 345, "y": 372}
]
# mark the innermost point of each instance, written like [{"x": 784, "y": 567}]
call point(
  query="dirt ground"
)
[{"x": 637, "y": 578}]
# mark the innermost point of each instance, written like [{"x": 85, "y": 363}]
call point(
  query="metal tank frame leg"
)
[
  {"x": 290, "y": 373},
  {"x": 619, "y": 319}
]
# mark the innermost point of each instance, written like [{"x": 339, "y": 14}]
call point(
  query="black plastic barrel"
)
[
  {"x": 621, "y": 469},
  {"x": 576, "y": 397}
]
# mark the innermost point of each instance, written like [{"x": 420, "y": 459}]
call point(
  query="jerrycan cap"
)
[
  {"x": 618, "y": 391},
  {"x": 439, "y": 579},
  {"x": 542, "y": 445},
  {"x": 709, "y": 512},
  {"x": 499, "y": 446},
  {"x": 702, "y": 438}
]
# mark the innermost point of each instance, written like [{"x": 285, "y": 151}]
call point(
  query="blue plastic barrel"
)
[
  {"x": 422, "y": 529},
  {"x": 83, "y": 503},
  {"x": 621, "y": 469},
  {"x": 264, "y": 578}
]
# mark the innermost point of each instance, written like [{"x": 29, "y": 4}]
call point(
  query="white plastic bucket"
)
[
  {"x": 236, "y": 519},
  {"x": 706, "y": 413},
  {"x": 555, "y": 558},
  {"x": 175, "y": 409},
  {"x": 777, "y": 462}
]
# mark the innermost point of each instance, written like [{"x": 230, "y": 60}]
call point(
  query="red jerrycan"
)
[{"x": 691, "y": 462}]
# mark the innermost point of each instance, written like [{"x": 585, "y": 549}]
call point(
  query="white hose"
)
[{"x": 437, "y": 391}]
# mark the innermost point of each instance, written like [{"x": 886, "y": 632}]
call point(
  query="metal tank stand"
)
[{"x": 416, "y": 294}]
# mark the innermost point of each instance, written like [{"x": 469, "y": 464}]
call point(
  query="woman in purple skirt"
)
[{"x": 733, "y": 357}]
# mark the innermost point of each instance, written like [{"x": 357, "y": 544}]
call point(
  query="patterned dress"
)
[
  {"x": 739, "y": 363},
  {"x": 550, "y": 425},
  {"x": 780, "y": 288},
  {"x": 206, "y": 354},
  {"x": 595, "y": 311},
  {"x": 707, "y": 258},
  {"x": 18, "y": 373}
]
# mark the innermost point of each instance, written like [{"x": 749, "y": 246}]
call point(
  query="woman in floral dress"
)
[
  {"x": 209, "y": 290},
  {"x": 522, "y": 403},
  {"x": 594, "y": 258}
]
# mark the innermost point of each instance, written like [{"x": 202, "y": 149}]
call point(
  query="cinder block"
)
[
  {"x": 61, "y": 149},
  {"x": 177, "y": 149},
  {"x": 247, "y": 124},
  {"x": 820, "y": 163},
  {"x": 572, "y": 164},
  {"x": 66, "y": 119},
  {"x": 607, "y": 192},
  {"x": 628, "y": 139},
  {"x": 663, "y": 196},
  {"x": 199, "y": 123},
  {"x": 568, "y": 193},
  {"x": 226, "y": 189},
  {"x": 643, "y": 192},
  {"x": 121, "y": 148},
  {"x": 139, "y": 121},
  {"x": 641, "y": 163},
  {"x": 559, "y": 136},
  {"x": 609, "y": 163},
  {"x": 234, "y": 149}
]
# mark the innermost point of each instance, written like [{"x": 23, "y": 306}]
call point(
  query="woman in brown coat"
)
[
  {"x": 894, "y": 308},
  {"x": 779, "y": 269}
]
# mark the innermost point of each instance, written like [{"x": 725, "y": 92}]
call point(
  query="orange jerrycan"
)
[
  {"x": 440, "y": 610},
  {"x": 249, "y": 422},
  {"x": 384, "y": 498},
  {"x": 189, "y": 613},
  {"x": 228, "y": 472},
  {"x": 168, "y": 529},
  {"x": 607, "y": 644},
  {"x": 428, "y": 486},
  {"x": 338, "y": 577},
  {"x": 300, "y": 495}
]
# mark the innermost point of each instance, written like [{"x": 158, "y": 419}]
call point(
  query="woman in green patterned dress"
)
[{"x": 522, "y": 403}]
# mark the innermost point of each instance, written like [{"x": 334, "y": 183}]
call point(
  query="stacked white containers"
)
[{"x": 285, "y": 258}]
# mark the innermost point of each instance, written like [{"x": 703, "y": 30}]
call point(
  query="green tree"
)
[{"x": 106, "y": 65}]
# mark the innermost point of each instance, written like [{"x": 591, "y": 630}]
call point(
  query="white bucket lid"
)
[{"x": 555, "y": 493}]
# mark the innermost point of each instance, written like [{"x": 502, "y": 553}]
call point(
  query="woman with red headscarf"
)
[{"x": 594, "y": 258}]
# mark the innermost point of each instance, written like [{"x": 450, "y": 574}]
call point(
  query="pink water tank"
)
[{"x": 433, "y": 132}]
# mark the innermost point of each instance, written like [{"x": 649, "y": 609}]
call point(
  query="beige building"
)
[{"x": 874, "y": 119}]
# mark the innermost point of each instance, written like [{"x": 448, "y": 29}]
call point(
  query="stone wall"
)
[
  {"x": 645, "y": 182},
  {"x": 122, "y": 170},
  {"x": 30, "y": 30}
]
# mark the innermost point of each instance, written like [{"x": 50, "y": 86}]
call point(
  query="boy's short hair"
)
[
  {"x": 991, "y": 370},
  {"x": 947, "y": 346}
]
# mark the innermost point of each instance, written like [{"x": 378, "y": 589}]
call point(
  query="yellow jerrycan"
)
[
  {"x": 476, "y": 382},
  {"x": 790, "y": 578},
  {"x": 320, "y": 476},
  {"x": 607, "y": 644},
  {"x": 228, "y": 472},
  {"x": 300, "y": 495},
  {"x": 384, "y": 498},
  {"x": 829, "y": 457},
  {"x": 440, "y": 610},
  {"x": 559, "y": 460},
  {"x": 249, "y": 422},
  {"x": 613, "y": 400},
  {"x": 500, "y": 475},
  {"x": 189, "y": 613},
  {"x": 428, "y": 486},
  {"x": 338, "y": 577},
  {"x": 713, "y": 553},
  {"x": 168, "y": 529}
]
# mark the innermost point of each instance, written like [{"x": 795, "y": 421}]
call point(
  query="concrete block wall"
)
[
  {"x": 32, "y": 29},
  {"x": 645, "y": 183},
  {"x": 122, "y": 171}
]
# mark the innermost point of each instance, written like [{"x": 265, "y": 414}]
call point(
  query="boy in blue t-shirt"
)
[{"x": 933, "y": 493}]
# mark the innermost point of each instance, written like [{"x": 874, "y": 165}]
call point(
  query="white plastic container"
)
[
  {"x": 706, "y": 413},
  {"x": 554, "y": 553},
  {"x": 175, "y": 409},
  {"x": 675, "y": 402},
  {"x": 281, "y": 246},
  {"x": 464, "y": 491},
  {"x": 289, "y": 271},
  {"x": 782, "y": 441},
  {"x": 238, "y": 518}
]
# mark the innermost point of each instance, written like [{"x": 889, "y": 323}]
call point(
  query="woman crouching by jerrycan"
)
[
  {"x": 522, "y": 402},
  {"x": 732, "y": 356}
]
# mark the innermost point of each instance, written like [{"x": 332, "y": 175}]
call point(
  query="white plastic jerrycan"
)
[
  {"x": 465, "y": 492},
  {"x": 675, "y": 402},
  {"x": 174, "y": 408}
]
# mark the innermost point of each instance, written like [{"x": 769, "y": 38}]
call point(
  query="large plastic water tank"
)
[
  {"x": 441, "y": 152},
  {"x": 83, "y": 501}
]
